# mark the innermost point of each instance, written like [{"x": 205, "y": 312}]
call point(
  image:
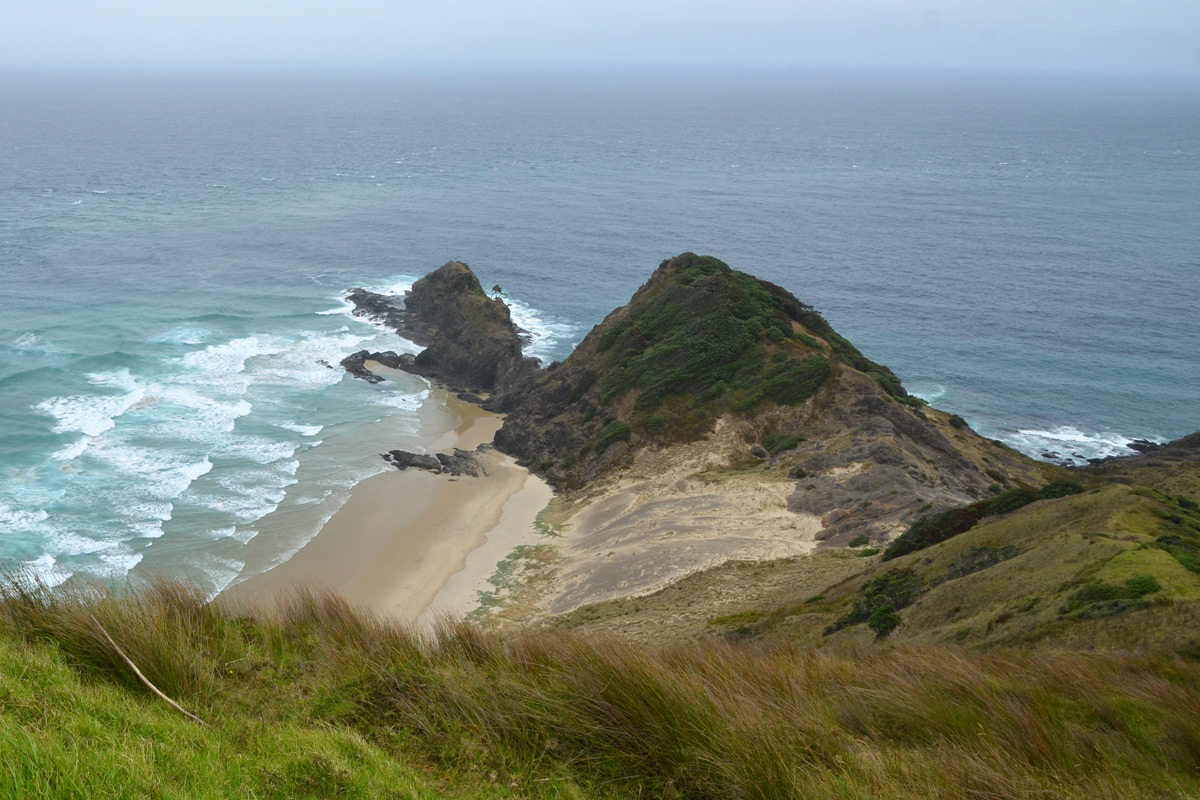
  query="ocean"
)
[{"x": 1023, "y": 250}]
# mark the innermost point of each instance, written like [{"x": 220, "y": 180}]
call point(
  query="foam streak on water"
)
[{"x": 197, "y": 440}]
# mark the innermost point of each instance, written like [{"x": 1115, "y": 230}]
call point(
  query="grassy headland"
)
[{"x": 314, "y": 700}]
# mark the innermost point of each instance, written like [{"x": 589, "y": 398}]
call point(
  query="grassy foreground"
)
[{"x": 314, "y": 700}]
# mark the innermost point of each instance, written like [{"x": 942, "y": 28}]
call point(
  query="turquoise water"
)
[{"x": 1022, "y": 251}]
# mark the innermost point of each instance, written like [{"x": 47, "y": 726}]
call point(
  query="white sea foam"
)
[
  {"x": 185, "y": 334},
  {"x": 26, "y": 341},
  {"x": 46, "y": 571},
  {"x": 88, "y": 414},
  {"x": 146, "y": 519},
  {"x": 929, "y": 392},
  {"x": 1067, "y": 443},
  {"x": 19, "y": 520},
  {"x": 243, "y": 535},
  {"x": 400, "y": 400},
  {"x": 162, "y": 474},
  {"x": 67, "y": 543},
  {"x": 345, "y": 308},
  {"x": 547, "y": 339},
  {"x": 249, "y": 507},
  {"x": 398, "y": 285},
  {"x": 222, "y": 571},
  {"x": 117, "y": 563},
  {"x": 73, "y": 450},
  {"x": 258, "y": 449},
  {"x": 230, "y": 357},
  {"x": 145, "y": 440},
  {"x": 303, "y": 430}
]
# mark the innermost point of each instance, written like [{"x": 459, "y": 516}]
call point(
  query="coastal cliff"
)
[
  {"x": 702, "y": 346},
  {"x": 469, "y": 339},
  {"x": 727, "y": 464}
]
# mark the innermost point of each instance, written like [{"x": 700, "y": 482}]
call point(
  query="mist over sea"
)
[{"x": 1023, "y": 250}]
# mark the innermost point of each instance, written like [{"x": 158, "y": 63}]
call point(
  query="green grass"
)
[
  {"x": 64, "y": 735},
  {"x": 314, "y": 700}
]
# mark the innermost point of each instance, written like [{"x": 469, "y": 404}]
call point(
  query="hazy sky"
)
[{"x": 1139, "y": 35}]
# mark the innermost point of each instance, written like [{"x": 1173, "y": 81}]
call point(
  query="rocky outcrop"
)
[
  {"x": 356, "y": 364},
  {"x": 457, "y": 463},
  {"x": 469, "y": 338},
  {"x": 699, "y": 342},
  {"x": 1151, "y": 454}
]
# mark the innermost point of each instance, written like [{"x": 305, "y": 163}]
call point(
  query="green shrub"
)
[
  {"x": 778, "y": 442},
  {"x": 935, "y": 528},
  {"x": 980, "y": 558},
  {"x": 655, "y": 423},
  {"x": 894, "y": 589},
  {"x": 859, "y": 541},
  {"x": 586, "y": 381},
  {"x": 1185, "y": 552},
  {"x": 1010, "y": 500},
  {"x": 1059, "y": 488},
  {"x": 614, "y": 431},
  {"x": 939, "y": 527},
  {"x": 1100, "y": 599},
  {"x": 957, "y": 422},
  {"x": 883, "y": 620}
]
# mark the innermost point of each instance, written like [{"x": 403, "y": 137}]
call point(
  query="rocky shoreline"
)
[{"x": 654, "y": 483}]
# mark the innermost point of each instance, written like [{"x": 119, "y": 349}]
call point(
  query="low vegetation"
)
[
  {"x": 939, "y": 527},
  {"x": 1076, "y": 569},
  {"x": 315, "y": 700},
  {"x": 708, "y": 339}
]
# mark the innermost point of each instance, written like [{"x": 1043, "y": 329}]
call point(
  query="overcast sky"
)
[{"x": 1122, "y": 35}]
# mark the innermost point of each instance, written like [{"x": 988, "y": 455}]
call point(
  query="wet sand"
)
[{"x": 406, "y": 538}]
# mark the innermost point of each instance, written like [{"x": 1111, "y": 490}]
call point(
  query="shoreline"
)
[{"x": 408, "y": 542}]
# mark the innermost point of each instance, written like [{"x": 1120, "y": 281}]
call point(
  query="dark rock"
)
[
  {"x": 1143, "y": 445},
  {"x": 758, "y": 451},
  {"x": 797, "y": 472},
  {"x": 402, "y": 459},
  {"x": 469, "y": 338},
  {"x": 467, "y": 397},
  {"x": 458, "y": 463},
  {"x": 356, "y": 364},
  {"x": 1182, "y": 450}
]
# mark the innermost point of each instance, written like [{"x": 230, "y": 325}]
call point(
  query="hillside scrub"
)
[
  {"x": 547, "y": 715},
  {"x": 939, "y": 527},
  {"x": 724, "y": 338}
]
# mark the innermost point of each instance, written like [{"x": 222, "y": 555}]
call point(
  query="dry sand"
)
[
  {"x": 671, "y": 513},
  {"x": 406, "y": 538}
]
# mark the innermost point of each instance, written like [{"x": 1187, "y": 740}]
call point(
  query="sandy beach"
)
[{"x": 411, "y": 544}]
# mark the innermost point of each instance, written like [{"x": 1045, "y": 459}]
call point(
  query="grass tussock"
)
[{"x": 550, "y": 714}]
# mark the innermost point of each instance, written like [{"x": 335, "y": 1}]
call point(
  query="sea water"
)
[{"x": 1021, "y": 250}]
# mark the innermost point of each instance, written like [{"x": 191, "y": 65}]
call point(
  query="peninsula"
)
[
  {"x": 724, "y": 463},
  {"x": 723, "y": 555}
]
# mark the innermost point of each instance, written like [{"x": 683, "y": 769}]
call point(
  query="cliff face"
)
[{"x": 469, "y": 338}]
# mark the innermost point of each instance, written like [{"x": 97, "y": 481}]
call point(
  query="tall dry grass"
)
[{"x": 713, "y": 720}]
